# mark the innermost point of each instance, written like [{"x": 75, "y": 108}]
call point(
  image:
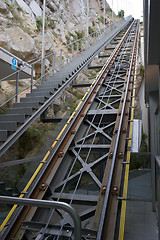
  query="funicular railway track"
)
[{"x": 84, "y": 165}]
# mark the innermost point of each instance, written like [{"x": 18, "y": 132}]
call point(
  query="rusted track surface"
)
[{"x": 78, "y": 156}]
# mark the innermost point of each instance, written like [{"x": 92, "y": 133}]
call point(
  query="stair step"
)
[
  {"x": 38, "y": 90},
  {"x": 3, "y": 135},
  {"x": 9, "y": 190},
  {"x": 51, "y": 86},
  {"x": 39, "y": 94},
  {"x": 13, "y": 117},
  {"x": 33, "y": 99},
  {"x": 9, "y": 126},
  {"x": 53, "y": 82},
  {"x": 15, "y": 194},
  {"x": 58, "y": 78},
  {"x": 34, "y": 105},
  {"x": 27, "y": 111}
]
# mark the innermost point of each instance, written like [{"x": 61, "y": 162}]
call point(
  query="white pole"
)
[
  {"x": 43, "y": 28},
  {"x": 112, "y": 13},
  {"x": 104, "y": 13},
  {"x": 87, "y": 19}
]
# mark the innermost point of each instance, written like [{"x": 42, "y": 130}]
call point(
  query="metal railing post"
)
[
  {"x": 32, "y": 69},
  {"x": 81, "y": 45},
  {"x": 61, "y": 57},
  {"x": 48, "y": 204},
  {"x": 67, "y": 54},
  {"x": 72, "y": 50},
  {"x": 85, "y": 43},
  {"x": 17, "y": 84},
  {"x": 77, "y": 46},
  {"x": 53, "y": 60},
  {"x": 43, "y": 70}
]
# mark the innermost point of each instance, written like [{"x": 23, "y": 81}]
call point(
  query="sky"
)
[{"x": 130, "y": 7}]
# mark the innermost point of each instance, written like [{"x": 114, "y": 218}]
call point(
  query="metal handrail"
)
[{"x": 48, "y": 204}]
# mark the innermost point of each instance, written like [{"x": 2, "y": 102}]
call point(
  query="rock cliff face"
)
[{"x": 21, "y": 24}]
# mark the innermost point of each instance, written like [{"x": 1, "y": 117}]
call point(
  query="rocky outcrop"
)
[
  {"x": 21, "y": 23},
  {"x": 25, "y": 7},
  {"x": 3, "y": 8},
  {"x": 17, "y": 42},
  {"x": 35, "y": 9}
]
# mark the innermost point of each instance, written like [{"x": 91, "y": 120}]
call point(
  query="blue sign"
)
[{"x": 14, "y": 63}]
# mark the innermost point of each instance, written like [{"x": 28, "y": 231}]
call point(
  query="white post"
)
[
  {"x": 87, "y": 20},
  {"x": 118, "y": 9},
  {"x": 43, "y": 28},
  {"x": 104, "y": 13},
  {"x": 112, "y": 13}
]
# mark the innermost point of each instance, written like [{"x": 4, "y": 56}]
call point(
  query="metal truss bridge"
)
[{"x": 79, "y": 189}]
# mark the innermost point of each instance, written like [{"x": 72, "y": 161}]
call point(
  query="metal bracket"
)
[
  {"x": 121, "y": 198},
  {"x": 129, "y": 149},
  {"x": 125, "y": 162}
]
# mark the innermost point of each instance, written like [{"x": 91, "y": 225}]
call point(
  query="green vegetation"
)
[
  {"x": 80, "y": 34},
  {"x": 50, "y": 23},
  {"x": 39, "y": 24},
  {"x": 13, "y": 10},
  {"x": 101, "y": 19},
  {"x": 90, "y": 30},
  {"x": 91, "y": 75},
  {"x": 121, "y": 13},
  {"x": 27, "y": 30},
  {"x": 17, "y": 18},
  {"x": 109, "y": 10},
  {"x": 142, "y": 72},
  {"x": 33, "y": 137},
  {"x": 75, "y": 37},
  {"x": 55, "y": 34},
  {"x": 7, "y": 105},
  {"x": 68, "y": 37},
  {"x": 20, "y": 9}
]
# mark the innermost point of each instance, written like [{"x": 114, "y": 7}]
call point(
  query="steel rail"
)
[
  {"x": 115, "y": 148},
  {"x": 23, "y": 128},
  {"x": 84, "y": 100}
]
